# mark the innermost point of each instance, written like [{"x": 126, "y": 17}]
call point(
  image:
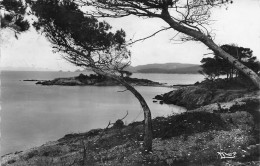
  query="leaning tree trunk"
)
[
  {"x": 214, "y": 47},
  {"x": 147, "y": 113}
]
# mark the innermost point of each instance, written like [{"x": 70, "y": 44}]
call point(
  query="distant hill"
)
[{"x": 178, "y": 68}]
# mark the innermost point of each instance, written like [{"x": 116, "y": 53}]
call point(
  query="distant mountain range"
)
[{"x": 170, "y": 68}]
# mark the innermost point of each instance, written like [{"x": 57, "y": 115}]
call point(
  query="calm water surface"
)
[{"x": 32, "y": 114}]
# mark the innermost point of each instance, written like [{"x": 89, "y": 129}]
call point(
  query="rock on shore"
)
[{"x": 97, "y": 80}]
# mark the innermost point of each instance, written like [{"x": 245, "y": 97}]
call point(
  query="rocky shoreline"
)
[
  {"x": 96, "y": 80},
  {"x": 196, "y": 96}
]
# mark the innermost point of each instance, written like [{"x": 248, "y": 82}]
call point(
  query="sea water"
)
[{"x": 33, "y": 114}]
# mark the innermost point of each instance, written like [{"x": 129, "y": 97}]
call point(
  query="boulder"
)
[{"x": 158, "y": 97}]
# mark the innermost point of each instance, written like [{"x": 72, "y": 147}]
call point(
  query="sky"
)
[{"x": 239, "y": 24}]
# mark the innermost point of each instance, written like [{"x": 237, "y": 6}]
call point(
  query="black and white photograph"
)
[{"x": 130, "y": 82}]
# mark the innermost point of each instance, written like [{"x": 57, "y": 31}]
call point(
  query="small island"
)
[{"x": 97, "y": 80}]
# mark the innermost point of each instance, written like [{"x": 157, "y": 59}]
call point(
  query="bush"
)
[{"x": 118, "y": 124}]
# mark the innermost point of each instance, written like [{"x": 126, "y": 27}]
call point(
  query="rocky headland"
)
[
  {"x": 196, "y": 96},
  {"x": 205, "y": 93},
  {"x": 96, "y": 80}
]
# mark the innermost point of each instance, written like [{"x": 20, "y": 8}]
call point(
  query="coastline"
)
[{"x": 189, "y": 138}]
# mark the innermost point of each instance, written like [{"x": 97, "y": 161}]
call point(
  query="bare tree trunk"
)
[
  {"x": 214, "y": 47},
  {"x": 148, "y": 137},
  {"x": 147, "y": 115}
]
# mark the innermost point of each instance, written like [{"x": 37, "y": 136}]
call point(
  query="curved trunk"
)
[
  {"x": 214, "y": 47},
  {"x": 147, "y": 113}
]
